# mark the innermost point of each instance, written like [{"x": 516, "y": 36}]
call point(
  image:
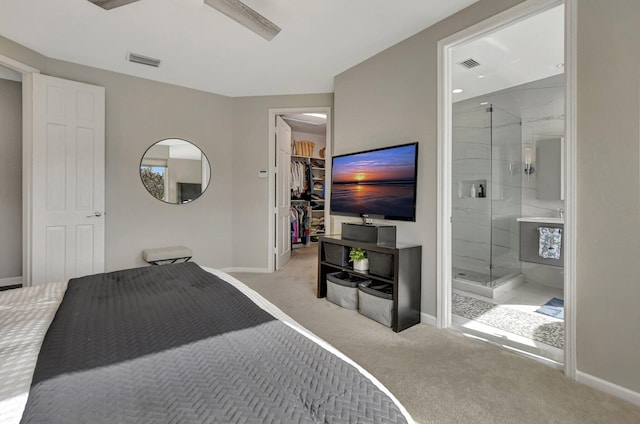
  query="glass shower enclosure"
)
[{"x": 487, "y": 197}]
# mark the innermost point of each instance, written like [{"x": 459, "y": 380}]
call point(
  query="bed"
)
[{"x": 172, "y": 343}]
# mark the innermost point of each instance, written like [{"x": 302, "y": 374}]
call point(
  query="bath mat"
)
[
  {"x": 526, "y": 324},
  {"x": 553, "y": 308}
]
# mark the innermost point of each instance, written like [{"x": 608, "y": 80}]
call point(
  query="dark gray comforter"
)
[{"x": 175, "y": 344}]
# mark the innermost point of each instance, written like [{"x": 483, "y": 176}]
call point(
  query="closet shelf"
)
[{"x": 306, "y": 157}]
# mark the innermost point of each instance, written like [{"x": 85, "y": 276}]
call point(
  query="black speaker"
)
[{"x": 378, "y": 234}]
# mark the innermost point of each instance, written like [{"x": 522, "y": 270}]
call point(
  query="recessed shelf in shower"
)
[{"x": 465, "y": 188}]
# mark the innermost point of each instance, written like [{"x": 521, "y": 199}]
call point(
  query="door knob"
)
[{"x": 95, "y": 214}]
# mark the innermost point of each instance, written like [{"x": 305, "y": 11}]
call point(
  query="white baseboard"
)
[
  {"x": 247, "y": 269},
  {"x": 428, "y": 319},
  {"x": 12, "y": 281},
  {"x": 608, "y": 387}
]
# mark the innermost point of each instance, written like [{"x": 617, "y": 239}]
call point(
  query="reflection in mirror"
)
[
  {"x": 175, "y": 171},
  {"x": 550, "y": 169}
]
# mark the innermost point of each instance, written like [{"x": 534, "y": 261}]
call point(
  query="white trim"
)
[
  {"x": 608, "y": 387},
  {"x": 14, "y": 65},
  {"x": 271, "y": 206},
  {"x": 27, "y": 135},
  {"x": 443, "y": 272},
  {"x": 246, "y": 269},
  {"x": 11, "y": 281},
  {"x": 27, "y": 180},
  {"x": 505, "y": 343},
  {"x": 428, "y": 319},
  {"x": 571, "y": 188},
  {"x": 443, "y": 231}
]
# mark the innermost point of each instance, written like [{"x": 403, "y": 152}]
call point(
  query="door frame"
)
[
  {"x": 271, "y": 208},
  {"x": 444, "y": 243},
  {"x": 27, "y": 134}
]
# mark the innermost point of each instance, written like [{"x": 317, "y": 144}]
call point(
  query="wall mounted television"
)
[{"x": 379, "y": 183}]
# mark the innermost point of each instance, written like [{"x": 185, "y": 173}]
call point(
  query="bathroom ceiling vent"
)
[
  {"x": 144, "y": 60},
  {"x": 469, "y": 63}
]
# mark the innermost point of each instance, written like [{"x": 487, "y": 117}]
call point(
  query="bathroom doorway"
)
[{"x": 503, "y": 93}]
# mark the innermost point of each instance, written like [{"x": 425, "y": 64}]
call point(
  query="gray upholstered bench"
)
[{"x": 171, "y": 254}]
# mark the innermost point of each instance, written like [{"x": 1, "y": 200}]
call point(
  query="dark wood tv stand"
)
[{"x": 404, "y": 273}]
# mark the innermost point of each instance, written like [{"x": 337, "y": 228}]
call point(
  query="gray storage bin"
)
[
  {"x": 376, "y": 301},
  {"x": 342, "y": 289},
  {"x": 335, "y": 254},
  {"x": 380, "y": 264}
]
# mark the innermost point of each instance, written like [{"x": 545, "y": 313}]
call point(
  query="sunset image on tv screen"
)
[{"x": 379, "y": 182}]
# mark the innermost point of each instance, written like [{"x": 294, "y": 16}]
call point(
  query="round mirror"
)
[{"x": 175, "y": 171}]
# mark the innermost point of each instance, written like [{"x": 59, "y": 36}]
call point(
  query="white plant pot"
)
[{"x": 361, "y": 265}]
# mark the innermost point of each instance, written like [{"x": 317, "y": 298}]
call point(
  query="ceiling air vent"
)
[
  {"x": 143, "y": 60},
  {"x": 469, "y": 63}
]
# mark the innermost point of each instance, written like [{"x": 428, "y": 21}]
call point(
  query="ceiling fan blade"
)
[
  {"x": 111, "y": 4},
  {"x": 246, "y": 16}
]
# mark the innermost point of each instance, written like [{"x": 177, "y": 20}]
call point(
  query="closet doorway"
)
[{"x": 300, "y": 160}]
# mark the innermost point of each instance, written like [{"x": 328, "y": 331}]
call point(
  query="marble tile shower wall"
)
[
  {"x": 485, "y": 231},
  {"x": 542, "y": 112},
  {"x": 540, "y": 106},
  {"x": 506, "y": 199},
  {"x": 471, "y": 153}
]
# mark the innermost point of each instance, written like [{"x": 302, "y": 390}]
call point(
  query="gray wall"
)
[
  {"x": 10, "y": 179},
  {"x": 391, "y": 98},
  {"x": 608, "y": 282},
  {"x": 233, "y": 134},
  {"x": 138, "y": 113},
  {"x": 251, "y": 154}
]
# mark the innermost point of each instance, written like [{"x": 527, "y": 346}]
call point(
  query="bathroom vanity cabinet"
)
[{"x": 529, "y": 240}]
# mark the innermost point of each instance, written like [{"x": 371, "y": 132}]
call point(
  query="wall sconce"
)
[{"x": 528, "y": 164}]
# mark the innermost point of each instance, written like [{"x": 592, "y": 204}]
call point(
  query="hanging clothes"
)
[
  {"x": 300, "y": 224},
  {"x": 301, "y": 179}
]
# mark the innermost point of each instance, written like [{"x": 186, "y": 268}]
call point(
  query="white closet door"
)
[
  {"x": 65, "y": 181},
  {"x": 283, "y": 193}
]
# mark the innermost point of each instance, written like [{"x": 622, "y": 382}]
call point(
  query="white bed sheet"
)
[{"x": 25, "y": 316}]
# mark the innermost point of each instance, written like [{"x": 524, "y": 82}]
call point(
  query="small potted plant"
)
[{"x": 359, "y": 258}]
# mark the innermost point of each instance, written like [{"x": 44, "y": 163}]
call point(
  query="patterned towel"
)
[{"x": 549, "y": 242}]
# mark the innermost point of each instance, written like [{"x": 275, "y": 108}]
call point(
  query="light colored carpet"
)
[{"x": 439, "y": 375}]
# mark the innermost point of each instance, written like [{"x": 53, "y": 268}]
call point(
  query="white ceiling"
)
[
  {"x": 307, "y": 123},
  {"x": 527, "y": 51},
  {"x": 203, "y": 49},
  {"x": 181, "y": 149}
]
